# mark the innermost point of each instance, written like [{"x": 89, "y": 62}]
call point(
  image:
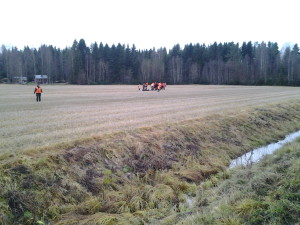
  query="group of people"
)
[{"x": 155, "y": 86}]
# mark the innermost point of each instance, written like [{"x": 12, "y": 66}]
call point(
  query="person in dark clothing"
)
[{"x": 38, "y": 91}]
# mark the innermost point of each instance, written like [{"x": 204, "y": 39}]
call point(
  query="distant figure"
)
[
  {"x": 159, "y": 87},
  {"x": 139, "y": 87},
  {"x": 145, "y": 86},
  {"x": 152, "y": 86},
  {"x": 38, "y": 91}
]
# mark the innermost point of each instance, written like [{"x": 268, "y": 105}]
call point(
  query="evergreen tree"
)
[{"x": 219, "y": 63}]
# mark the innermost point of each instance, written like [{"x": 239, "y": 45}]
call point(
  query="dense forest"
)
[{"x": 218, "y": 63}]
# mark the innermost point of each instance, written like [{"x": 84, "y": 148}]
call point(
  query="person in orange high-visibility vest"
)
[
  {"x": 38, "y": 91},
  {"x": 159, "y": 87}
]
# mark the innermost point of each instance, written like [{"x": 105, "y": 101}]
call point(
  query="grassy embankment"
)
[
  {"x": 264, "y": 193},
  {"x": 137, "y": 176}
]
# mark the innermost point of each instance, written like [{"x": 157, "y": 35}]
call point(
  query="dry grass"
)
[
  {"x": 263, "y": 193},
  {"x": 138, "y": 176},
  {"x": 68, "y": 113}
]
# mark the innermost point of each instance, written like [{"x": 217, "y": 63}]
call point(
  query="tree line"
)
[{"x": 218, "y": 63}]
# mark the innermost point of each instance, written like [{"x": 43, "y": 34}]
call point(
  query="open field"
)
[
  {"x": 150, "y": 156},
  {"x": 69, "y": 112}
]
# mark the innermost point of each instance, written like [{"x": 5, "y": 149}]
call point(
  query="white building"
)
[{"x": 41, "y": 79}]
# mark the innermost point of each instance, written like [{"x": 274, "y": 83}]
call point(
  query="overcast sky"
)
[{"x": 147, "y": 23}]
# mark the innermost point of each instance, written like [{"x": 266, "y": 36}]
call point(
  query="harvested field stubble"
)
[
  {"x": 135, "y": 176},
  {"x": 68, "y": 112}
]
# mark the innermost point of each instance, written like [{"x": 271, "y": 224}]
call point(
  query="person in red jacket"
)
[{"x": 38, "y": 91}]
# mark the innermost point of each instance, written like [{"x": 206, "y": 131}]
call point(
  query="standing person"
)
[
  {"x": 38, "y": 91},
  {"x": 159, "y": 87},
  {"x": 152, "y": 87}
]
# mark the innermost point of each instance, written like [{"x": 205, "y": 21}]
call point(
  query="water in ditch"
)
[
  {"x": 253, "y": 157},
  {"x": 256, "y": 154}
]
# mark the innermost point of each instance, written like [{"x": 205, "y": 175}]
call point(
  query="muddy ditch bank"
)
[{"x": 123, "y": 174}]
